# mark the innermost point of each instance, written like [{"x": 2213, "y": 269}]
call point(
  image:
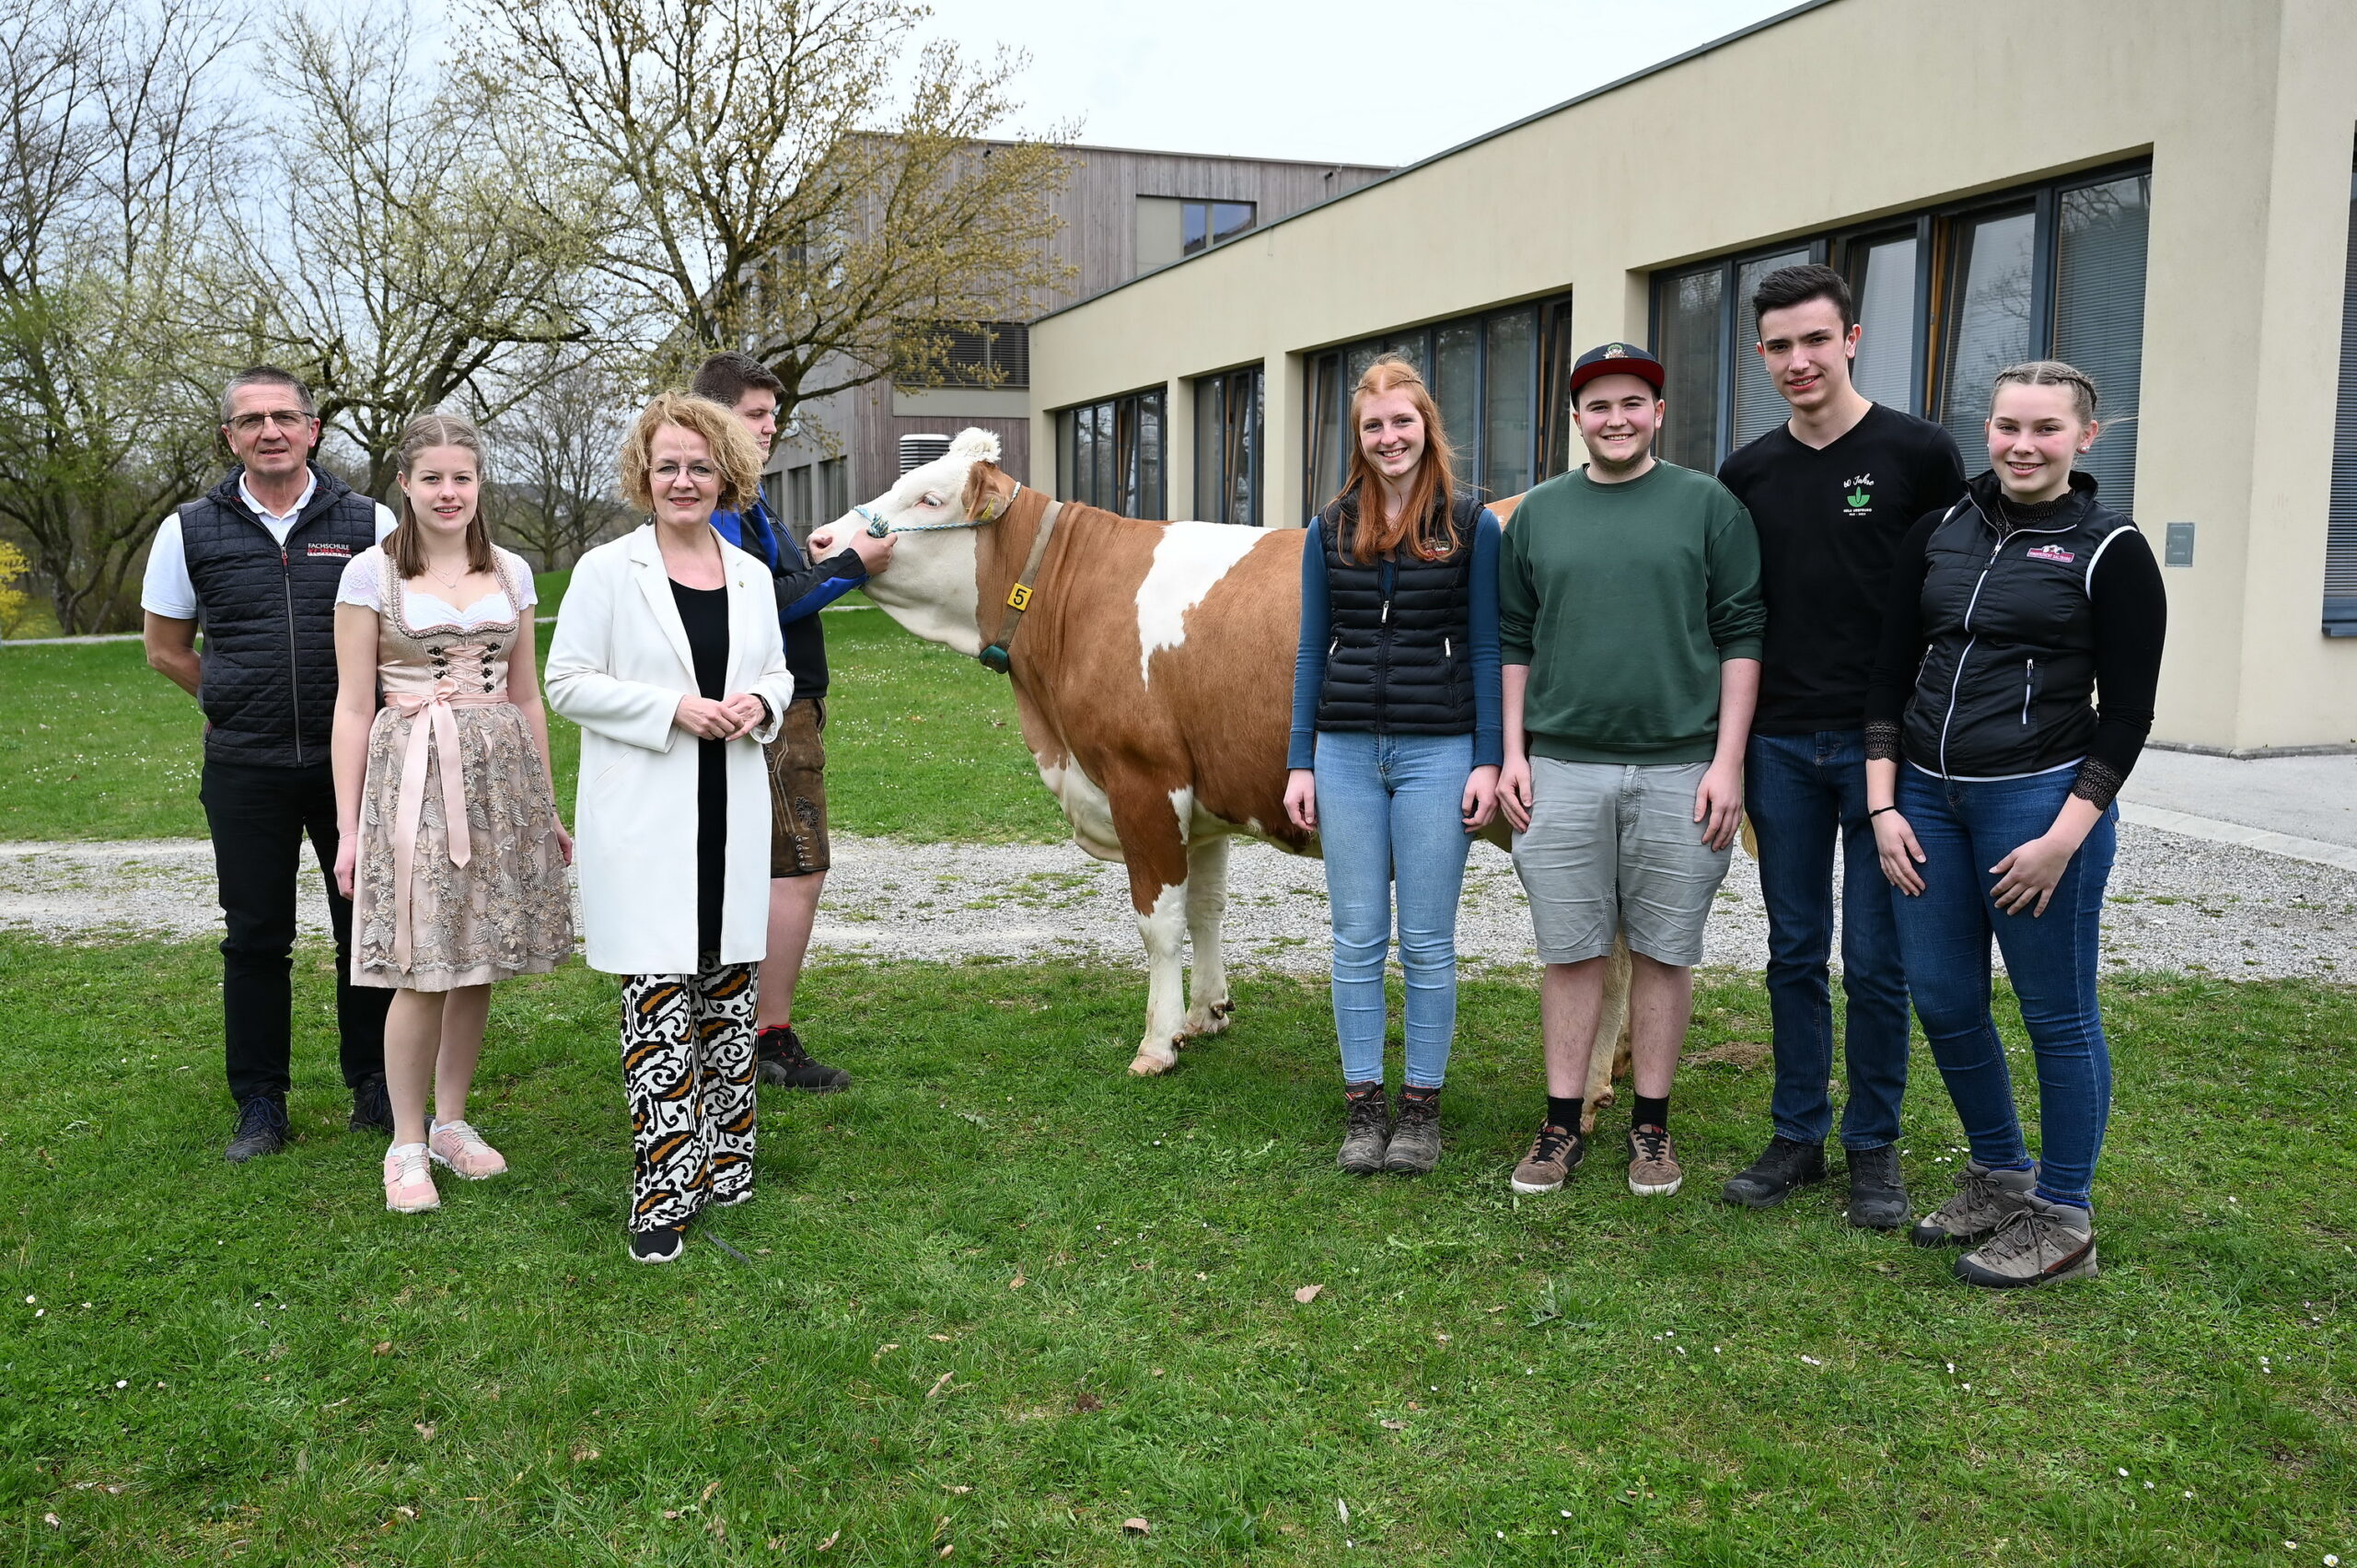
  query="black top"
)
[
  {"x": 2005, "y": 621},
  {"x": 704, "y": 612},
  {"x": 1829, "y": 521},
  {"x": 267, "y": 677}
]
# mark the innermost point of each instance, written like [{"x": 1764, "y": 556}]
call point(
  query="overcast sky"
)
[{"x": 1345, "y": 81}]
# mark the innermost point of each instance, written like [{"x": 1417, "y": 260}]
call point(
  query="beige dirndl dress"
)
[{"x": 460, "y": 879}]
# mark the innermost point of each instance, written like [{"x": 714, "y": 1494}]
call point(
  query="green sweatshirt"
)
[{"x": 1624, "y": 600}]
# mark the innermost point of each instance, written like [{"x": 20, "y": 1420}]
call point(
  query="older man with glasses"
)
[{"x": 256, "y": 563}]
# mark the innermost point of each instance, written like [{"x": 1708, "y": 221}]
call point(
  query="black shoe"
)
[
  {"x": 261, "y": 1129},
  {"x": 658, "y": 1244},
  {"x": 372, "y": 1107},
  {"x": 1367, "y": 1128},
  {"x": 778, "y": 1057},
  {"x": 1415, "y": 1136},
  {"x": 1782, "y": 1167},
  {"x": 1878, "y": 1193}
]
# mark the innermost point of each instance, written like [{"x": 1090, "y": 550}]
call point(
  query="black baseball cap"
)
[{"x": 1617, "y": 359}]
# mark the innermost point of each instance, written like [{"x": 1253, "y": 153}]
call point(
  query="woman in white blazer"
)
[{"x": 669, "y": 632}]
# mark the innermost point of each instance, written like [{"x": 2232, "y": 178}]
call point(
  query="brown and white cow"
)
[{"x": 1152, "y": 673}]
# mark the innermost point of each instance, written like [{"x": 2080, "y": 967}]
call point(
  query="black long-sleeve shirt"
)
[{"x": 2129, "y": 611}]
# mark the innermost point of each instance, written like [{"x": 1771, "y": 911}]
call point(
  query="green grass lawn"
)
[
  {"x": 1000, "y": 1297},
  {"x": 921, "y": 743}
]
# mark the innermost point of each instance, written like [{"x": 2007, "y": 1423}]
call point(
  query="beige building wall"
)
[{"x": 1839, "y": 113}]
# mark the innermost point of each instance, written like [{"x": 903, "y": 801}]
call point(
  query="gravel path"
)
[{"x": 2177, "y": 903}]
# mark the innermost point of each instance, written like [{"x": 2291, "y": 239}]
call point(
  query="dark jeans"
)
[
  {"x": 259, "y": 817},
  {"x": 1803, "y": 792},
  {"x": 1964, "y": 828}
]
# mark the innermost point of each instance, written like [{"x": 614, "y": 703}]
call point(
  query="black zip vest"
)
[
  {"x": 269, "y": 678},
  {"x": 1401, "y": 660},
  {"x": 2007, "y": 682}
]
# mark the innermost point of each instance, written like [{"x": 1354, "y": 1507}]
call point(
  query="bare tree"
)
[
  {"x": 111, "y": 131},
  {"x": 393, "y": 257},
  {"x": 763, "y": 191},
  {"x": 553, "y": 458}
]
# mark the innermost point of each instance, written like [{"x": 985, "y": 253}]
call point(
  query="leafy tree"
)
[{"x": 552, "y": 458}]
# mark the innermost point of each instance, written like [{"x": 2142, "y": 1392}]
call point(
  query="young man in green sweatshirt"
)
[{"x": 1631, "y": 626}]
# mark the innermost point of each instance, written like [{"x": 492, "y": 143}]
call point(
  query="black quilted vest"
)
[
  {"x": 1401, "y": 660},
  {"x": 268, "y": 613},
  {"x": 2007, "y": 682}
]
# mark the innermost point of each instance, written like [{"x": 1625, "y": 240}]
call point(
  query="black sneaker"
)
[
  {"x": 1878, "y": 1193},
  {"x": 778, "y": 1057},
  {"x": 1366, "y": 1130},
  {"x": 372, "y": 1107},
  {"x": 261, "y": 1129},
  {"x": 1784, "y": 1167},
  {"x": 1415, "y": 1137},
  {"x": 658, "y": 1244}
]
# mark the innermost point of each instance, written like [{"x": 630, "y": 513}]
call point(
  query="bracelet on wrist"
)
[{"x": 1878, "y": 811}]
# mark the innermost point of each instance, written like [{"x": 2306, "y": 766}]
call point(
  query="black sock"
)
[
  {"x": 1360, "y": 1091},
  {"x": 1565, "y": 1113},
  {"x": 1647, "y": 1112}
]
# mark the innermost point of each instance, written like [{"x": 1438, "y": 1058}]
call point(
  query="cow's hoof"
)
[
  {"x": 1146, "y": 1064},
  {"x": 1209, "y": 1020}
]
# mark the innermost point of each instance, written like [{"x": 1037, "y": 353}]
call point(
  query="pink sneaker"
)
[
  {"x": 461, "y": 1148},
  {"x": 409, "y": 1180}
]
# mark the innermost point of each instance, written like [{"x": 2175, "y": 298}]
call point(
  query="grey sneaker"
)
[
  {"x": 1554, "y": 1155},
  {"x": 1984, "y": 1200},
  {"x": 2041, "y": 1243},
  {"x": 1878, "y": 1191},
  {"x": 1415, "y": 1137},
  {"x": 1366, "y": 1130},
  {"x": 1653, "y": 1170}
]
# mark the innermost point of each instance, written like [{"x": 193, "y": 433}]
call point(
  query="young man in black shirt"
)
[{"x": 1831, "y": 491}]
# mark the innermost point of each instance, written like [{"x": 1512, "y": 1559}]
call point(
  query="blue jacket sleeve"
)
[
  {"x": 1309, "y": 659},
  {"x": 1489, "y": 696}
]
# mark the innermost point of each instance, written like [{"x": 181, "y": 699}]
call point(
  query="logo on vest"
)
[
  {"x": 1859, "y": 500},
  {"x": 341, "y": 551},
  {"x": 2053, "y": 553}
]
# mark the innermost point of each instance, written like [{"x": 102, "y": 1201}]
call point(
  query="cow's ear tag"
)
[{"x": 994, "y": 509}]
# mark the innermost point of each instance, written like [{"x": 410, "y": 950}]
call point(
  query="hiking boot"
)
[
  {"x": 372, "y": 1107},
  {"x": 1784, "y": 1167},
  {"x": 1415, "y": 1137},
  {"x": 1878, "y": 1191},
  {"x": 261, "y": 1129},
  {"x": 1984, "y": 1200},
  {"x": 2041, "y": 1243},
  {"x": 658, "y": 1244},
  {"x": 1653, "y": 1170},
  {"x": 409, "y": 1180},
  {"x": 778, "y": 1057},
  {"x": 1367, "y": 1128},
  {"x": 1554, "y": 1155}
]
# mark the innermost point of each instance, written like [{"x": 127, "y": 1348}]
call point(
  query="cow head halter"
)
[{"x": 994, "y": 657}]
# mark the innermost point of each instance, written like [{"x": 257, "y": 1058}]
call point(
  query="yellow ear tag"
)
[
  {"x": 1019, "y": 596},
  {"x": 993, "y": 508}
]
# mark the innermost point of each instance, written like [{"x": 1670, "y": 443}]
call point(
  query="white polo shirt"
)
[{"x": 166, "y": 589}]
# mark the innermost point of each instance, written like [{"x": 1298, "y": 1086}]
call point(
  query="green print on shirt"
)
[{"x": 1860, "y": 495}]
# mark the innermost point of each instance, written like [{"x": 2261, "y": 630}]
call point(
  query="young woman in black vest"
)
[
  {"x": 1397, "y": 736},
  {"x": 2012, "y": 695}
]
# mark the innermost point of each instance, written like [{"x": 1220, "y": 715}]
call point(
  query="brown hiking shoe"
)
[
  {"x": 1554, "y": 1155},
  {"x": 2041, "y": 1243},
  {"x": 1653, "y": 1170},
  {"x": 1415, "y": 1136},
  {"x": 1367, "y": 1128},
  {"x": 1984, "y": 1200}
]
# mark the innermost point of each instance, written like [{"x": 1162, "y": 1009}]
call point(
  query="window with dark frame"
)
[
  {"x": 2341, "y": 525},
  {"x": 1500, "y": 380},
  {"x": 1203, "y": 224},
  {"x": 801, "y": 512},
  {"x": 1229, "y": 446},
  {"x": 985, "y": 353},
  {"x": 1947, "y": 297},
  {"x": 1112, "y": 453}
]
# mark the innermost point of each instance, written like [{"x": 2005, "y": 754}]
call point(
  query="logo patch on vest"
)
[
  {"x": 343, "y": 551},
  {"x": 2052, "y": 553}
]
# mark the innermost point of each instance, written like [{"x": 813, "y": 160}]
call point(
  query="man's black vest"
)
[
  {"x": 2007, "y": 682},
  {"x": 268, "y": 613},
  {"x": 1401, "y": 661}
]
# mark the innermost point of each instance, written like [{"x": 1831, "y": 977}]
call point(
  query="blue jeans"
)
[
  {"x": 1388, "y": 809},
  {"x": 1965, "y": 828},
  {"x": 1802, "y": 791}
]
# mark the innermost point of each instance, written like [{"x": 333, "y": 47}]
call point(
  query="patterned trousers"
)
[{"x": 688, "y": 1071}]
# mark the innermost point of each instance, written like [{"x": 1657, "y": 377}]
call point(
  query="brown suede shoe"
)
[{"x": 1554, "y": 1155}]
